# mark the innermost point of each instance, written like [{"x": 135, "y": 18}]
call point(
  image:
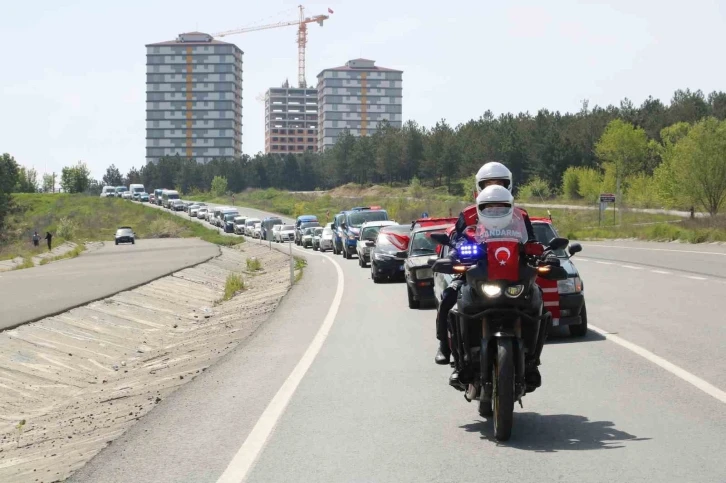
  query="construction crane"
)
[{"x": 302, "y": 36}]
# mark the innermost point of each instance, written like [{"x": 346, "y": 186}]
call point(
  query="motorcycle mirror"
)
[
  {"x": 558, "y": 243},
  {"x": 440, "y": 238},
  {"x": 574, "y": 248},
  {"x": 402, "y": 254},
  {"x": 443, "y": 265},
  {"x": 430, "y": 262},
  {"x": 550, "y": 272}
]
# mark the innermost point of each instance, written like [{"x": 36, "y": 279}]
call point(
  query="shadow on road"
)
[
  {"x": 561, "y": 335},
  {"x": 557, "y": 432}
]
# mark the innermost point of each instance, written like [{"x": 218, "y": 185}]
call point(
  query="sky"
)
[{"x": 72, "y": 83}]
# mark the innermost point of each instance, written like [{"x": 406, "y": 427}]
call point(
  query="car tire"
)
[
  {"x": 117, "y": 242},
  {"x": 580, "y": 330},
  {"x": 347, "y": 254},
  {"x": 360, "y": 262},
  {"x": 412, "y": 302},
  {"x": 133, "y": 242}
]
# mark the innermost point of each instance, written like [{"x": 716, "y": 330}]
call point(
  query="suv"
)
[{"x": 354, "y": 218}]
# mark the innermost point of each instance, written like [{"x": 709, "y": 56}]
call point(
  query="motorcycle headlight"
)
[
  {"x": 569, "y": 286},
  {"x": 514, "y": 291},
  {"x": 490, "y": 290}
]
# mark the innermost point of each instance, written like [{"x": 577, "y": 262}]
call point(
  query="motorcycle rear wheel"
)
[{"x": 503, "y": 390}]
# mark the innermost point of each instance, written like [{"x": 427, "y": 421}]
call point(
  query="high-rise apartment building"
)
[
  {"x": 357, "y": 97},
  {"x": 193, "y": 98},
  {"x": 291, "y": 120}
]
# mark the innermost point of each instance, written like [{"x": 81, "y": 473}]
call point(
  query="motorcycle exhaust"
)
[{"x": 472, "y": 393}]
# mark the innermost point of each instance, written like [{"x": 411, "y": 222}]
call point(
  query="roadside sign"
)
[
  {"x": 424, "y": 215},
  {"x": 607, "y": 198}
]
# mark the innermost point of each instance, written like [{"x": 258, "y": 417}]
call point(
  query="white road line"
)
[
  {"x": 692, "y": 277},
  {"x": 246, "y": 456},
  {"x": 704, "y": 386},
  {"x": 580, "y": 259},
  {"x": 659, "y": 250},
  {"x": 662, "y": 272},
  {"x": 604, "y": 263},
  {"x": 632, "y": 267}
]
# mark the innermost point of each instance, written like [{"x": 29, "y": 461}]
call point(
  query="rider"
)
[{"x": 492, "y": 173}]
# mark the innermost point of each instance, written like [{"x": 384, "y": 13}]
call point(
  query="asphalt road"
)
[
  {"x": 374, "y": 407},
  {"x": 33, "y": 293}
]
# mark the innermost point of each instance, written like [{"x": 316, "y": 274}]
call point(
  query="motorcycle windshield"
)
[{"x": 502, "y": 245}]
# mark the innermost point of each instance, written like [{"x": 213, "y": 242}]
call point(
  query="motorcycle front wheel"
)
[{"x": 503, "y": 390}]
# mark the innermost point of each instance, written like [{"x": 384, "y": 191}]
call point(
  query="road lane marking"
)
[
  {"x": 248, "y": 453},
  {"x": 604, "y": 263},
  {"x": 632, "y": 267},
  {"x": 662, "y": 272},
  {"x": 659, "y": 250},
  {"x": 704, "y": 386},
  {"x": 580, "y": 259},
  {"x": 692, "y": 277}
]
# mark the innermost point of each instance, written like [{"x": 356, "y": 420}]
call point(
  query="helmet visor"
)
[
  {"x": 494, "y": 210},
  {"x": 483, "y": 183}
]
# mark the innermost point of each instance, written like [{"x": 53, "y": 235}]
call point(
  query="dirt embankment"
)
[{"x": 71, "y": 384}]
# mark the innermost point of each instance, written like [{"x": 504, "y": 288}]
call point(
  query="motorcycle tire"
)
[{"x": 503, "y": 394}]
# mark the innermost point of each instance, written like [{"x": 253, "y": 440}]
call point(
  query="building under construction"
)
[{"x": 291, "y": 120}]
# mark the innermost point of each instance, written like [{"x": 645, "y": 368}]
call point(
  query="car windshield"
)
[
  {"x": 308, "y": 231},
  {"x": 357, "y": 218},
  {"x": 544, "y": 232},
  {"x": 229, "y": 216},
  {"x": 124, "y": 232},
  {"x": 138, "y": 190},
  {"x": 370, "y": 232},
  {"x": 422, "y": 244},
  {"x": 318, "y": 231},
  {"x": 311, "y": 224},
  {"x": 287, "y": 227},
  {"x": 173, "y": 196},
  {"x": 120, "y": 190}
]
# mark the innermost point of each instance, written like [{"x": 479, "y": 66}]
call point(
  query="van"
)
[
  {"x": 267, "y": 225},
  {"x": 354, "y": 218},
  {"x": 136, "y": 190},
  {"x": 108, "y": 192},
  {"x": 157, "y": 196},
  {"x": 167, "y": 195},
  {"x": 226, "y": 219}
]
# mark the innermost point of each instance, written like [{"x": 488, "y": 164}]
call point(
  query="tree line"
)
[{"x": 634, "y": 150}]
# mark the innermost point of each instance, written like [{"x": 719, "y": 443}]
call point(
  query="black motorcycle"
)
[{"x": 498, "y": 315}]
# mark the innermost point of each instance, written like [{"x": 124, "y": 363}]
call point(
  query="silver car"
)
[
  {"x": 285, "y": 233},
  {"x": 202, "y": 213}
]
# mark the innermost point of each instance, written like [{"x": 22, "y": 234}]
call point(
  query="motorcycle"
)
[{"x": 497, "y": 318}]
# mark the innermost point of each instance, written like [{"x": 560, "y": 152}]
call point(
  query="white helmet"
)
[
  {"x": 495, "y": 207},
  {"x": 493, "y": 170}
]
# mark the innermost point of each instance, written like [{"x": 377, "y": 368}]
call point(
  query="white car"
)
[
  {"x": 250, "y": 226},
  {"x": 202, "y": 213},
  {"x": 127, "y": 195},
  {"x": 108, "y": 192},
  {"x": 257, "y": 230},
  {"x": 284, "y": 233},
  {"x": 326, "y": 239},
  {"x": 368, "y": 233}
]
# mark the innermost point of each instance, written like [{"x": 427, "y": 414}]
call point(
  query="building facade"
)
[
  {"x": 291, "y": 120},
  {"x": 357, "y": 96},
  {"x": 193, "y": 98}
]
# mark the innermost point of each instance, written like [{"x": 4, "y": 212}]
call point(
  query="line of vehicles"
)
[{"x": 135, "y": 192}]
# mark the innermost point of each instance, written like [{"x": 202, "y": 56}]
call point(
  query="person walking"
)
[
  {"x": 36, "y": 239},
  {"x": 49, "y": 238}
]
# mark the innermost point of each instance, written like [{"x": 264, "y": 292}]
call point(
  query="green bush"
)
[
  {"x": 642, "y": 191},
  {"x": 589, "y": 184},
  {"x": 66, "y": 228},
  {"x": 536, "y": 189},
  {"x": 253, "y": 264},
  {"x": 234, "y": 284},
  {"x": 571, "y": 184},
  {"x": 219, "y": 186}
]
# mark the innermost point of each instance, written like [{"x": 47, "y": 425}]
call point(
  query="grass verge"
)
[
  {"x": 77, "y": 250},
  {"x": 82, "y": 218},
  {"x": 27, "y": 263},
  {"x": 300, "y": 264}
]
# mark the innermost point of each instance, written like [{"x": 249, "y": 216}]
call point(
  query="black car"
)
[
  {"x": 125, "y": 234},
  {"x": 386, "y": 259},
  {"x": 572, "y": 309},
  {"x": 419, "y": 275}
]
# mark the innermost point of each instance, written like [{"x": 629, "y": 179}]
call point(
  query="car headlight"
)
[
  {"x": 569, "y": 286},
  {"x": 514, "y": 291},
  {"x": 490, "y": 290}
]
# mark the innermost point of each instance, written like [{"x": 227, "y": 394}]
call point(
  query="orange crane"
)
[{"x": 302, "y": 36}]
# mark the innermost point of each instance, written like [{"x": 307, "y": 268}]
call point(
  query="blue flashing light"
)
[{"x": 469, "y": 250}]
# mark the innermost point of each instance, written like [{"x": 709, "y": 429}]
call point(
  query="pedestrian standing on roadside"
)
[
  {"x": 36, "y": 239},
  {"x": 48, "y": 237}
]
